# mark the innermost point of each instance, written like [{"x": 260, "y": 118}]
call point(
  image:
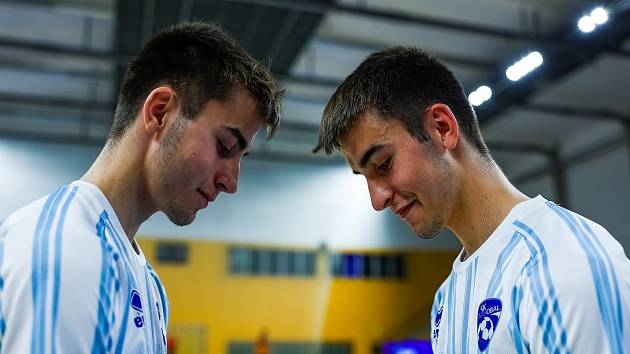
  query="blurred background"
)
[{"x": 298, "y": 262}]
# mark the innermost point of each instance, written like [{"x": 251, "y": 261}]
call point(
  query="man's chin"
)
[
  {"x": 426, "y": 233},
  {"x": 181, "y": 219},
  {"x": 426, "y": 236}
]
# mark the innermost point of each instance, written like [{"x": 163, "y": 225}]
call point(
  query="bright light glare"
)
[
  {"x": 599, "y": 15},
  {"x": 586, "y": 24},
  {"x": 474, "y": 99},
  {"x": 480, "y": 95},
  {"x": 524, "y": 66},
  {"x": 514, "y": 73},
  {"x": 485, "y": 92},
  {"x": 534, "y": 59}
]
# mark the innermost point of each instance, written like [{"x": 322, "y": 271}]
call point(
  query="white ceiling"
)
[{"x": 55, "y": 53}]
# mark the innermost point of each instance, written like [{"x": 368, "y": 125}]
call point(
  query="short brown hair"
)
[
  {"x": 399, "y": 83},
  {"x": 200, "y": 62}
]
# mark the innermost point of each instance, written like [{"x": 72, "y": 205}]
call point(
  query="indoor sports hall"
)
[{"x": 298, "y": 261}]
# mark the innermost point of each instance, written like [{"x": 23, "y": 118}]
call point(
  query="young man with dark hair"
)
[
  {"x": 72, "y": 276},
  {"x": 532, "y": 277}
]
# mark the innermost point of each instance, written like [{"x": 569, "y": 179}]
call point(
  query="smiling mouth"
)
[
  {"x": 208, "y": 197},
  {"x": 402, "y": 212}
]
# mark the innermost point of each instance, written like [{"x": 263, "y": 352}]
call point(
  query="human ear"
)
[
  {"x": 160, "y": 105},
  {"x": 442, "y": 123}
]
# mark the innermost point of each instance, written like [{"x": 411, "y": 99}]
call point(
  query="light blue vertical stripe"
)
[
  {"x": 101, "y": 331},
  {"x": 502, "y": 262},
  {"x": 471, "y": 272},
  {"x": 35, "y": 268},
  {"x": 598, "y": 271},
  {"x": 97, "y": 344},
  {"x": 2, "y": 322},
  {"x": 161, "y": 291},
  {"x": 613, "y": 274},
  {"x": 122, "y": 248},
  {"x": 151, "y": 311},
  {"x": 40, "y": 269},
  {"x": 123, "y": 327},
  {"x": 544, "y": 318},
  {"x": 125, "y": 258},
  {"x": 451, "y": 311},
  {"x": 600, "y": 280},
  {"x": 57, "y": 270},
  {"x": 552, "y": 296},
  {"x": 514, "y": 324},
  {"x": 113, "y": 286},
  {"x": 493, "y": 290}
]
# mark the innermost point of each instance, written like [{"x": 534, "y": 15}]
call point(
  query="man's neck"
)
[
  {"x": 122, "y": 181},
  {"x": 486, "y": 198}
]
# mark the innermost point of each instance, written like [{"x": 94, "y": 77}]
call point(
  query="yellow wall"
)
[{"x": 320, "y": 308}]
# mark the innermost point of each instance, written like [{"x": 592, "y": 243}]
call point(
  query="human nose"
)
[
  {"x": 228, "y": 181},
  {"x": 381, "y": 194}
]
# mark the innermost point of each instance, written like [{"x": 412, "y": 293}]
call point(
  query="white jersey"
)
[
  {"x": 546, "y": 281},
  {"x": 71, "y": 282}
]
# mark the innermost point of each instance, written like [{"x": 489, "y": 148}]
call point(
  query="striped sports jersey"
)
[
  {"x": 71, "y": 282},
  {"x": 546, "y": 281}
]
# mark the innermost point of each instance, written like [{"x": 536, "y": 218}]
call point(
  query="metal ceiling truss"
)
[
  {"x": 558, "y": 64},
  {"x": 453, "y": 59},
  {"x": 547, "y": 41},
  {"x": 566, "y": 51}
]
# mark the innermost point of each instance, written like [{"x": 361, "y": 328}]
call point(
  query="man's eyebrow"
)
[
  {"x": 368, "y": 154},
  {"x": 242, "y": 143}
]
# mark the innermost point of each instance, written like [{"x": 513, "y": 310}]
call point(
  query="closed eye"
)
[
  {"x": 222, "y": 150},
  {"x": 384, "y": 166}
]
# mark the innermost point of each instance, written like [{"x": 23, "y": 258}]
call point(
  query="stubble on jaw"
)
[
  {"x": 445, "y": 181},
  {"x": 172, "y": 170}
]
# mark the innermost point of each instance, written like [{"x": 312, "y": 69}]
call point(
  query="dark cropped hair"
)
[
  {"x": 200, "y": 62},
  {"x": 399, "y": 83}
]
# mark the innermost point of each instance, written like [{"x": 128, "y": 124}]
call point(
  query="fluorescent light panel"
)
[{"x": 524, "y": 66}]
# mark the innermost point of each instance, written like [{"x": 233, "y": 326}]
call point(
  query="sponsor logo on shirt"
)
[
  {"x": 487, "y": 320},
  {"x": 136, "y": 304},
  {"x": 438, "y": 319}
]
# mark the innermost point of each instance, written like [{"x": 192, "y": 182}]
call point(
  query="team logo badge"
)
[
  {"x": 136, "y": 304},
  {"x": 487, "y": 320},
  {"x": 438, "y": 319}
]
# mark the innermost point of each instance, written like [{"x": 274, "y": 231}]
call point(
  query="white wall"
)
[
  {"x": 542, "y": 185},
  {"x": 305, "y": 205},
  {"x": 599, "y": 189},
  {"x": 276, "y": 203}
]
